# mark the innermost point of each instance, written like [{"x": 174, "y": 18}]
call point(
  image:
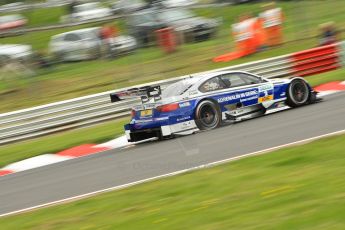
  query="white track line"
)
[{"x": 173, "y": 173}]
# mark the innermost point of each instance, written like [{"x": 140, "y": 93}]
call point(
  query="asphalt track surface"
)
[{"x": 117, "y": 167}]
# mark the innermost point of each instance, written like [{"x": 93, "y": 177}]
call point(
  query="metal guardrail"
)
[{"x": 82, "y": 111}]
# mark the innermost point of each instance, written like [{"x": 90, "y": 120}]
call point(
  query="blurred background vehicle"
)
[
  {"x": 18, "y": 52},
  {"x": 176, "y": 3},
  {"x": 142, "y": 26},
  {"x": 188, "y": 26},
  {"x": 86, "y": 44},
  {"x": 16, "y": 6},
  {"x": 12, "y": 21},
  {"x": 191, "y": 27},
  {"x": 90, "y": 10},
  {"x": 15, "y": 62},
  {"x": 128, "y": 6}
]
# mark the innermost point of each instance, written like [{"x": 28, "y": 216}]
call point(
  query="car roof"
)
[
  {"x": 78, "y": 31},
  {"x": 205, "y": 76}
]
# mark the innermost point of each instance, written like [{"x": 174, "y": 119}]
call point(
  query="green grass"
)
[
  {"x": 57, "y": 142},
  {"x": 78, "y": 79},
  {"x": 294, "y": 188},
  {"x": 99, "y": 133},
  {"x": 336, "y": 75}
]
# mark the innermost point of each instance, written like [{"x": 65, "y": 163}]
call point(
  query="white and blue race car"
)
[{"x": 205, "y": 102}]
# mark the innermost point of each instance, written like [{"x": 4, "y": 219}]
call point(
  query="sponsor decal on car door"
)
[
  {"x": 266, "y": 92},
  {"x": 239, "y": 101}
]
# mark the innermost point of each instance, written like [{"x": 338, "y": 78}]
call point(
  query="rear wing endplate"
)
[{"x": 145, "y": 93}]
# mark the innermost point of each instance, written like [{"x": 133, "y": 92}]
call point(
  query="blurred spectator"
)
[
  {"x": 272, "y": 20},
  {"x": 328, "y": 34},
  {"x": 107, "y": 33}
]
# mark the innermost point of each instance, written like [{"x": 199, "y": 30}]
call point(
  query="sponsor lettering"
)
[
  {"x": 185, "y": 125},
  {"x": 183, "y": 118},
  {"x": 265, "y": 87},
  {"x": 249, "y": 99},
  {"x": 184, "y": 104},
  {"x": 241, "y": 96},
  {"x": 266, "y": 98}
]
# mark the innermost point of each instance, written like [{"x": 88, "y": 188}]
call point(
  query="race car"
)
[{"x": 207, "y": 101}]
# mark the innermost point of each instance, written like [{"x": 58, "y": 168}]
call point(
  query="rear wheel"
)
[
  {"x": 207, "y": 115},
  {"x": 298, "y": 93}
]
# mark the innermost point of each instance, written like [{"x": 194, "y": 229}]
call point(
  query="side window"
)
[
  {"x": 250, "y": 79},
  {"x": 211, "y": 85},
  {"x": 239, "y": 79},
  {"x": 233, "y": 80},
  {"x": 71, "y": 37}
]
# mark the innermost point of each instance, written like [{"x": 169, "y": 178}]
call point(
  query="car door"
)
[
  {"x": 72, "y": 40},
  {"x": 247, "y": 93}
]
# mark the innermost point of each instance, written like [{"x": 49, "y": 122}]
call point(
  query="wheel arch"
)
[{"x": 303, "y": 79}]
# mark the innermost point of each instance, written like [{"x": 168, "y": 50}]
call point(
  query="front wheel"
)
[
  {"x": 298, "y": 93},
  {"x": 207, "y": 115}
]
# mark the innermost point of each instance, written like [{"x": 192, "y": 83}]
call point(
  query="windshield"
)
[
  {"x": 178, "y": 88},
  {"x": 143, "y": 18},
  {"x": 174, "y": 15}
]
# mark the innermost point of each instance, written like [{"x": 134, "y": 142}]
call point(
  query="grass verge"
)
[
  {"x": 56, "y": 142},
  {"x": 293, "y": 188}
]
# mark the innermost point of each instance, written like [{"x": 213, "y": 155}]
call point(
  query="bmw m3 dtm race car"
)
[{"x": 205, "y": 102}]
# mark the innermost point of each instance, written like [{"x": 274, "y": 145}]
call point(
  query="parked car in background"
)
[
  {"x": 13, "y": 57},
  {"x": 86, "y": 44},
  {"x": 128, "y": 6},
  {"x": 177, "y": 3},
  {"x": 12, "y": 21},
  {"x": 88, "y": 11},
  {"x": 142, "y": 24},
  {"x": 16, "y": 51}
]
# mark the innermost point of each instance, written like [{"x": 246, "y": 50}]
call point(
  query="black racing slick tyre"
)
[
  {"x": 207, "y": 115},
  {"x": 298, "y": 93}
]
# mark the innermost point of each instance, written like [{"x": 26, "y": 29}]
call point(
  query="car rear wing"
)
[{"x": 145, "y": 93}]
